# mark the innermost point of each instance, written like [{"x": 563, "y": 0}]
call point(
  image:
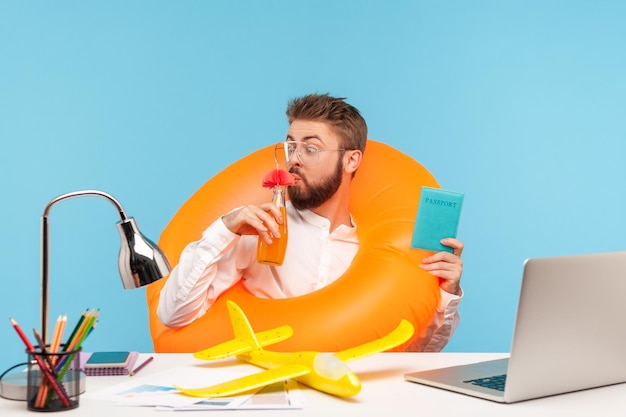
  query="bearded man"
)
[{"x": 323, "y": 148}]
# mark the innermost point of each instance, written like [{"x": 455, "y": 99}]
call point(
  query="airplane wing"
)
[
  {"x": 238, "y": 346},
  {"x": 247, "y": 383},
  {"x": 401, "y": 334}
]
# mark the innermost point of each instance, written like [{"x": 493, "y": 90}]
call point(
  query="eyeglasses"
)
[{"x": 308, "y": 154}]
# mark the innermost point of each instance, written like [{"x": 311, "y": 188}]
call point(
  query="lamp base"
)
[{"x": 14, "y": 386}]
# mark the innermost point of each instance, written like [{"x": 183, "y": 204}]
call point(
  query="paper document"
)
[{"x": 156, "y": 390}]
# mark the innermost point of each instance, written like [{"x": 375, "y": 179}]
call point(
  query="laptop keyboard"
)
[{"x": 494, "y": 382}]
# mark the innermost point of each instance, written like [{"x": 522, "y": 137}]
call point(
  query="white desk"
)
[{"x": 384, "y": 392}]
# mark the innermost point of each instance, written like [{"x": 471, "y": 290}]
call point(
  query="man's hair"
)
[{"x": 344, "y": 119}]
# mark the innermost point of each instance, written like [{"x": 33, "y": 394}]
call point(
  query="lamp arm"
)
[{"x": 83, "y": 193}]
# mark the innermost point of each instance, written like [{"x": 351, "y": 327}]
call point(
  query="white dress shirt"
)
[{"x": 314, "y": 259}]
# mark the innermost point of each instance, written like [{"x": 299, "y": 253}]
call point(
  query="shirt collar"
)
[{"x": 322, "y": 222}]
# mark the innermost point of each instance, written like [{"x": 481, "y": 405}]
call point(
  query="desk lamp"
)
[{"x": 140, "y": 262}]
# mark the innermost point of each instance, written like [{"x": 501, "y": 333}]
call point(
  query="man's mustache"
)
[{"x": 295, "y": 171}]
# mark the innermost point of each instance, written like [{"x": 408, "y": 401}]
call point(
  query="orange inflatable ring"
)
[{"x": 382, "y": 285}]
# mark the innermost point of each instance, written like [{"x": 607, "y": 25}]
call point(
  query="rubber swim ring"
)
[{"x": 382, "y": 285}]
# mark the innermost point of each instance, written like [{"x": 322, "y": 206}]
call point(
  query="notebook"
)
[
  {"x": 112, "y": 368},
  {"x": 569, "y": 333}
]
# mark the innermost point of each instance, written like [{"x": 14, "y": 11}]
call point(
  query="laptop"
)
[{"x": 569, "y": 335}]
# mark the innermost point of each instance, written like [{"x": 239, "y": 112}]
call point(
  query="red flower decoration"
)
[{"x": 277, "y": 177}]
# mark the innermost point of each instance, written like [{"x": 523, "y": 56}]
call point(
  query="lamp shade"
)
[{"x": 141, "y": 262}]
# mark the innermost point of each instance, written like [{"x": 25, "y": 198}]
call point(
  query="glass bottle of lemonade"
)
[{"x": 274, "y": 254}]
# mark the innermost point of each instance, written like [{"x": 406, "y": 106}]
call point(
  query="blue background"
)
[{"x": 519, "y": 104}]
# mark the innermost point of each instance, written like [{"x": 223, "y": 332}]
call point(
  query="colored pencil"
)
[
  {"x": 44, "y": 369},
  {"x": 44, "y": 351},
  {"x": 42, "y": 392},
  {"x": 78, "y": 331},
  {"x": 76, "y": 327},
  {"x": 79, "y": 337},
  {"x": 57, "y": 336},
  {"x": 140, "y": 367},
  {"x": 90, "y": 323}
]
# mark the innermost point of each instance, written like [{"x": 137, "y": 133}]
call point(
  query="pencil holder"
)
[{"x": 53, "y": 380}]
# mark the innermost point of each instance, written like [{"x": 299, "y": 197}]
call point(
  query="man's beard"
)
[{"x": 313, "y": 196}]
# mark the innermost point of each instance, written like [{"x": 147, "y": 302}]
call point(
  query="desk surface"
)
[{"x": 384, "y": 390}]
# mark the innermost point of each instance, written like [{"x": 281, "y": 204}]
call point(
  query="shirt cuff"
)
[{"x": 449, "y": 300}]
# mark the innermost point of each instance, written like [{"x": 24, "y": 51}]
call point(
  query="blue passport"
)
[{"x": 438, "y": 215}]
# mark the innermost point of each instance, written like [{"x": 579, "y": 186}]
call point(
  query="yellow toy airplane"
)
[{"x": 322, "y": 371}]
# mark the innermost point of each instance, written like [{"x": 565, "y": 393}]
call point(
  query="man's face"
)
[{"x": 314, "y": 185}]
